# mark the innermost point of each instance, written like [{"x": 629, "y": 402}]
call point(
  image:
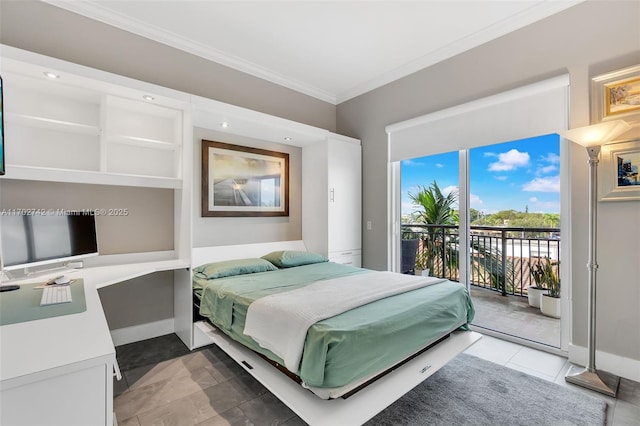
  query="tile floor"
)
[
  {"x": 512, "y": 315},
  {"x": 165, "y": 384}
]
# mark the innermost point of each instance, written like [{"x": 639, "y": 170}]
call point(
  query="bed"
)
[{"x": 346, "y": 355}]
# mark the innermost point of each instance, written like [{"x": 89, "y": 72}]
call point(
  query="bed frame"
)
[{"x": 358, "y": 407}]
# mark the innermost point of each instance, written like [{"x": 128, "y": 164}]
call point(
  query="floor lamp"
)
[{"x": 592, "y": 137}]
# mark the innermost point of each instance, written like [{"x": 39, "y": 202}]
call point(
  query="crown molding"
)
[
  {"x": 95, "y": 11},
  {"x": 513, "y": 23},
  {"x": 102, "y": 14}
]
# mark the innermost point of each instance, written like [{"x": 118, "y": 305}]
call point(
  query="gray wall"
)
[
  {"x": 585, "y": 40},
  {"x": 221, "y": 231},
  {"x": 147, "y": 226},
  {"x": 126, "y": 304}
]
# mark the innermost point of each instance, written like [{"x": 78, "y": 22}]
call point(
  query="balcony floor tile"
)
[{"x": 513, "y": 316}]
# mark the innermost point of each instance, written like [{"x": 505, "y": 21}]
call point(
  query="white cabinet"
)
[
  {"x": 78, "y": 129},
  {"x": 331, "y": 199},
  {"x": 59, "y": 370},
  {"x": 70, "y": 396}
]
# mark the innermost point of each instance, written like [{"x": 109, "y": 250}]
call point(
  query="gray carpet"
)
[{"x": 472, "y": 391}]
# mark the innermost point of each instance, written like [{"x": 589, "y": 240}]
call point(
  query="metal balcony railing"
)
[{"x": 500, "y": 256}]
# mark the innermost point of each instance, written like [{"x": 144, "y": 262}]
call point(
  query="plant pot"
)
[
  {"x": 534, "y": 294},
  {"x": 425, "y": 272},
  {"x": 550, "y": 306}
]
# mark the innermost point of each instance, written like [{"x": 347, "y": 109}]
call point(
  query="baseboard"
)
[
  {"x": 620, "y": 366},
  {"x": 135, "y": 333}
]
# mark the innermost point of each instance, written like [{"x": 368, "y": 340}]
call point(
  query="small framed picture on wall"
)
[
  {"x": 616, "y": 95},
  {"x": 620, "y": 180}
]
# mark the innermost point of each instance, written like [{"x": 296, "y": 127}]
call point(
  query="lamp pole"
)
[
  {"x": 589, "y": 377},
  {"x": 592, "y": 137},
  {"x": 592, "y": 263}
]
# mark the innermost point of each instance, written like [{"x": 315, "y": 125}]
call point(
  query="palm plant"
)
[{"x": 437, "y": 209}]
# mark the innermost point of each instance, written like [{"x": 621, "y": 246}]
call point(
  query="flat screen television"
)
[
  {"x": 30, "y": 240},
  {"x": 1, "y": 130}
]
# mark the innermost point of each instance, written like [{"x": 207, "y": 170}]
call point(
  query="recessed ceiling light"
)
[
  {"x": 51, "y": 74},
  {"x": 288, "y": 138},
  {"x": 224, "y": 124},
  {"x": 148, "y": 97}
]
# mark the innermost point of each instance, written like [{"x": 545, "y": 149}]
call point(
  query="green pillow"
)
[
  {"x": 230, "y": 268},
  {"x": 291, "y": 258}
]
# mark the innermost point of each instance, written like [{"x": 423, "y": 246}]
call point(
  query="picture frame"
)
[
  {"x": 619, "y": 180},
  {"x": 616, "y": 95},
  {"x": 242, "y": 181}
]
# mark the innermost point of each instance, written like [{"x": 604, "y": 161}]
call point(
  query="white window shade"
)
[{"x": 537, "y": 109}]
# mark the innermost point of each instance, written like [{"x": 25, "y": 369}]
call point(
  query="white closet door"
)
[{"x": 344, "y": 196}]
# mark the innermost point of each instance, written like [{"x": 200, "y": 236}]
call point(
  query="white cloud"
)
[
  {"x": 411, "y": 163},
  {"x": 407, "y": 207},
  {"x": 438, "y": 165},
  {"x": 549, "y": 164},
  {"x": 533, "y": 199},
  {"x": 510, "y": 160},
  {"x": 547, "y": 169},
  {"x": 475, "y": 201},
  {"x": 552, "y": 158},
  {"x": 544, "y": 184},
  {"x": 449, "y": 189},
  {"x": 501, "y": 177}
]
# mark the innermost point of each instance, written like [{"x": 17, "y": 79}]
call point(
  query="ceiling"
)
[{"x": 331, "y": 50}]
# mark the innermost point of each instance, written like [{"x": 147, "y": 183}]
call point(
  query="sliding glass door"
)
[
  {"x": 487, "y": 217},
  {"x": 515, "y": 231}
]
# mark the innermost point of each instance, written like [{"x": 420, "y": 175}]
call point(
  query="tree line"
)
[{"x": 438, "y": 208}]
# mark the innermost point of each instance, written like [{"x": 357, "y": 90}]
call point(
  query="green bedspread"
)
[{"x": 349, "y": 346}]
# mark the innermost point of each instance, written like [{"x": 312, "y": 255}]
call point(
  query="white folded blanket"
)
[{"x": 279, "y": 322}]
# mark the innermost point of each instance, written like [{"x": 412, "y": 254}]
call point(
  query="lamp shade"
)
[{"x": 597, "y": 134}]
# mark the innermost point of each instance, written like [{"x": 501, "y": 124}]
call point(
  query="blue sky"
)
[{"x": 512, "y": 175}]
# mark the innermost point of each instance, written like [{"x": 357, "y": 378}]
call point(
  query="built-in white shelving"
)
[
  {"x": 96, "y": 128},
  {"x": 90, "y": 177},
  {"x": 77, "y": 129}
]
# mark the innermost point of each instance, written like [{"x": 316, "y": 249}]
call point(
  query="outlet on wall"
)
[{"x": 369, "y": 225}]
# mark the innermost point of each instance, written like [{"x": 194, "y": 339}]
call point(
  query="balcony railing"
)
[{"x": 500, "y": 256}]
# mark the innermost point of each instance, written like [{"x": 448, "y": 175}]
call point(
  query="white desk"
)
[{"x": 59, "y": 370}]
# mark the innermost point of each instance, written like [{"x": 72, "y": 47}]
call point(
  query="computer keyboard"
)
[{"x": 54, "y": 294}]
